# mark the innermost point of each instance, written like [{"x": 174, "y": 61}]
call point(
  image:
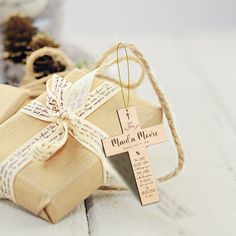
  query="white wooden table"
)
[{"x": 198, "y": 74}]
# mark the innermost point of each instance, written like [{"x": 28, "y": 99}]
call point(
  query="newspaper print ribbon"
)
[{"x": 66, "y": 108}]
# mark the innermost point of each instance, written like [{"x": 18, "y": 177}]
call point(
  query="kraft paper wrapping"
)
[
  {"x": 52, "y": 189},
  {"x": 11, "y": 100}
]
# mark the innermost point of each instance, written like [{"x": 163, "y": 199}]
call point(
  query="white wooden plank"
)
[
  {"x": 214, "y": 57},
  {"x": 202, "y": 199},
  {"x": 15, "y": 221}
]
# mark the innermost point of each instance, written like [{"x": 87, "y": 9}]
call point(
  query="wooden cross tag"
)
[{"x": 134, "y": 140}]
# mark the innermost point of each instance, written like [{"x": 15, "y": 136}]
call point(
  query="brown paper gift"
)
[{"x": 52, "y": 189}]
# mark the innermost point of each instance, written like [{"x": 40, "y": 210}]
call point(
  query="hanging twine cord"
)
[
  {"x": 163, "y": 101},
  {"x": 130, "y": 85},
  {"x": 126, "y": 103}
]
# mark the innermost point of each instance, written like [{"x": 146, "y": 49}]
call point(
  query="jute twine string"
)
[
  {"x": 36, "y": 87},
  {"x": 55, "y": 53},
  {"x": 163, "y": 101},
  {"x": 133, "y": 84}
]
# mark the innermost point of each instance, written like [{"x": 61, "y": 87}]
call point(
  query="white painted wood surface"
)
[{"x": 198, "y": 74}]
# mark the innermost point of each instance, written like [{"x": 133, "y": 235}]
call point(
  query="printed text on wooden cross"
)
[{"x": 134, "y": 140}]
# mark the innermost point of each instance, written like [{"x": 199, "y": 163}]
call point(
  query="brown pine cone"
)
[
  {"x": 17, "y": 35},
  {"x": 41, "y": 40}
]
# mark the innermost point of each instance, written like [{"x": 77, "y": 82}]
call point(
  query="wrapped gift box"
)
[{"x": 53, "y": 188}]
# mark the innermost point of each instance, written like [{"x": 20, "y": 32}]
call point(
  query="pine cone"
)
[
  {"x": 41, "y": 40},
  {"x": 17, "y": 35}
]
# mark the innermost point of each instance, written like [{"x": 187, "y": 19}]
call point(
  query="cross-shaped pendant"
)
[{"x": 134, "y": 140}]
